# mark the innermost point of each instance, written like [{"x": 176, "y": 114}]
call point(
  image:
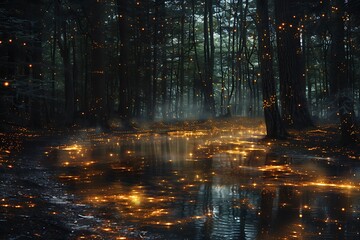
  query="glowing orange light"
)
[
  {"x": 322, "y": 184},
  {"x": 6, "y": 84},
  {"x": 30, "y": 65},
  {"x": 10, "y": 40},
  {"x": 72, "y": 148}
]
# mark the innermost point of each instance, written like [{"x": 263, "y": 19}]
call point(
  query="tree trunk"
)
[
  {"x": 124, "y": 76},
  {"x": 295, "y": 112},
  {"x": 340, "y": 86},
  {"x": 62, "y": 40},
  {"x": 208, "y": 90},
  {"x": 53, "y": 70},
  {"x": 98, "y": 107},
  {"x": 274, "y": 125},
  {"x": 36, "y": 70},
  {"x": 182, "y": 61},
  {"x": 34, "y": 56},
  {"x": 198, "y": 77}
]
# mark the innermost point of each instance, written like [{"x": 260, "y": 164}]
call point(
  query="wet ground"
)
[{"x": 217, "y": 182}]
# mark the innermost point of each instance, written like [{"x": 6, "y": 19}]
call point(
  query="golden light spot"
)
[
  {"x": 72, "y": 148},
  {"x": 135, "y": 199},
  {"x": 323, "y": 184}
]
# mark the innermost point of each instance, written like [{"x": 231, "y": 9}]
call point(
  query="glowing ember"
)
[{"x": 74, "y": 147}]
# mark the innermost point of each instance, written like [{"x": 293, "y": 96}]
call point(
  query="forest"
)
[
  {"x": 87, "y": 62},
  {"x": 116, "y": 105}
]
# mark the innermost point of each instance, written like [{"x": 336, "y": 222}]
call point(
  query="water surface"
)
[{"x": 208, "y": 184}]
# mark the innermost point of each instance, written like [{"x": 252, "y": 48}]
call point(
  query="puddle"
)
[{"x": 213, "y": 184}]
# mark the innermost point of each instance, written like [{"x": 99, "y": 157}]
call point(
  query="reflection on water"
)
[{"x": 218, "y": 184}]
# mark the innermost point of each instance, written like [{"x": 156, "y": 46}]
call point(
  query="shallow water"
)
[{"x": 211, "y": 184}]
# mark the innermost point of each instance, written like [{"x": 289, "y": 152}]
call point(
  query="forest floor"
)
[
  {"x": 33, "y": 205},
  {"x": 322, "y": 140}
]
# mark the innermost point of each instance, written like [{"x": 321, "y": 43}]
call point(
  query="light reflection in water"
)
[{"x": 218, "y": 184}]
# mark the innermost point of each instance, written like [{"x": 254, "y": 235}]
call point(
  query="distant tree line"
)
[{"x": 85, "y": 62}]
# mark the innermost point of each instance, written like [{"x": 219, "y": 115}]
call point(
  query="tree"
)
[
  {"x": 98, "y": 108},
  {"x": 339, "y": 81},
  {"x": 124, "y": 63},
  {"x": 36, "y": 57},
  {"x": 274, "y": 125},
  {"x": 294, "y": 108},
  {"x": 209, "y": 49},
  {"x": 64, "y": 47}
]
